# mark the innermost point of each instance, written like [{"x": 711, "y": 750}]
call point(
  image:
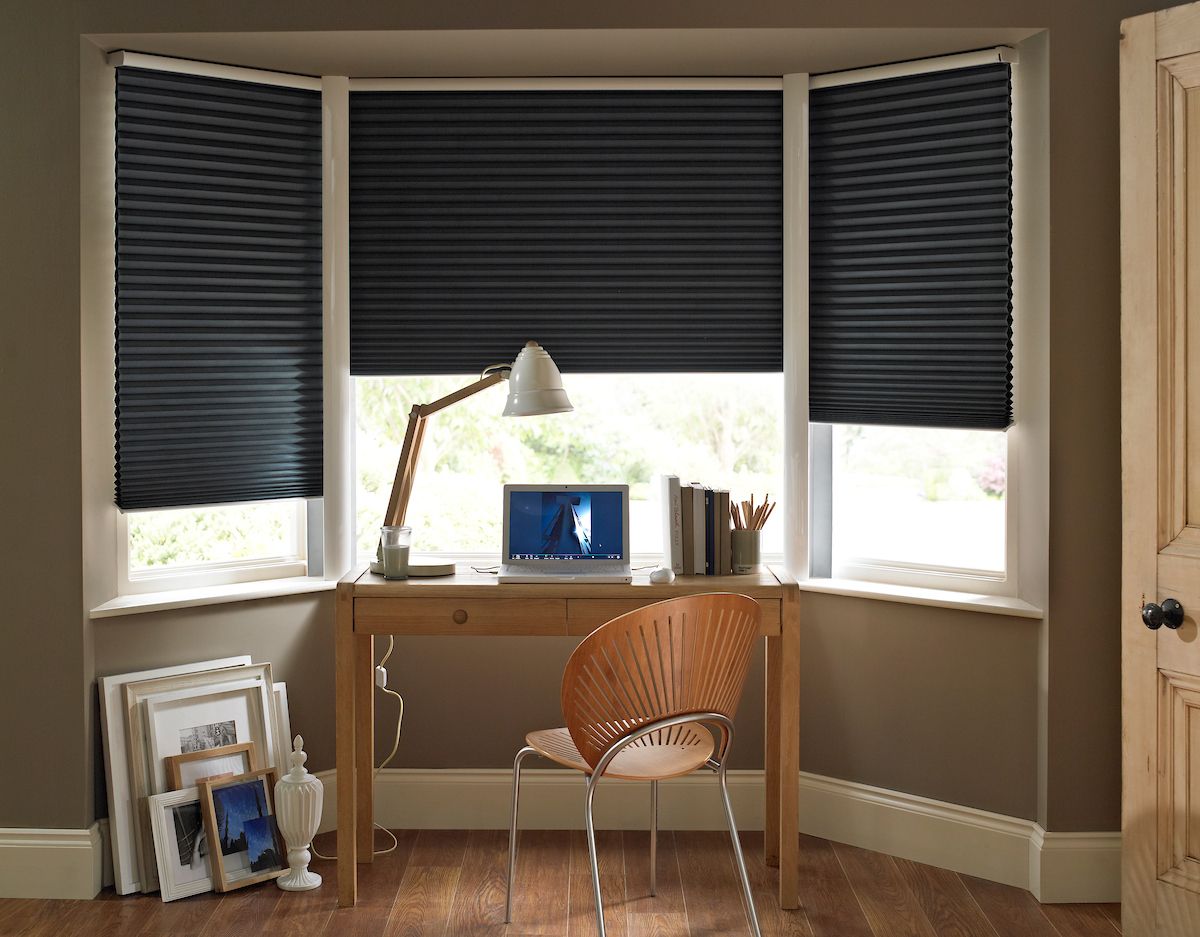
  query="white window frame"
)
[
  {"x": 200, "y": 575},
  {"x": 898, "y": 572},
  {"x": 107, "y": 576},
  {"x": 338, "y": 121},
  {"x": 809, "y": 483}
]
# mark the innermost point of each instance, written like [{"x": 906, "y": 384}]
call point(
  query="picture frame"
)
[
  {"x": 122, "y": 833},
  {"x": 283, "y": 741},
  {"x": 245, "y": 846},
  {"x": 202, "y": 719},
  {"x": 146, "y": 777},
  {"x": 181, "y": 847},
  {"x": 185, "y": 769}
]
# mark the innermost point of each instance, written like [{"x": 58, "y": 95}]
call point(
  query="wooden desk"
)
[{"x": 470, "y": 604}]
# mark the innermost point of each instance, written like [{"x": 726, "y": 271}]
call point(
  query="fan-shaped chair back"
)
[{"x": 681, "y": 656}]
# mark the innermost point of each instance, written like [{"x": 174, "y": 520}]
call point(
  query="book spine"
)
[
  {"x": 672, "y": 540},
  {"x": 724, "y": 526},
  {"x": 676, "y": 529},
  {"x": 687, "y": 521},
  {"x": 710, "y": 532},
  {"x": 698, "y": 538}
]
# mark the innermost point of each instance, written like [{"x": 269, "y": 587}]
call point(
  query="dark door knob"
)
[{"x": 1170, "y": 613}]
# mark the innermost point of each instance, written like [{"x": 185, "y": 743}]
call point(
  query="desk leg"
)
[
  {"x": 364, "y": 744},
  {"x": 347, "y": 870},
  {"x": 771, "y": 755},
  {"x": 789, "y": 750}
]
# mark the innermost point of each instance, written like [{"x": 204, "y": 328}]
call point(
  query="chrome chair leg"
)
[
  {"x": 653, "y": 838},
  {"x": 737, "y": 854},
  {"x": 512, "y": 831},
  {"x": 591, "y": 839}
]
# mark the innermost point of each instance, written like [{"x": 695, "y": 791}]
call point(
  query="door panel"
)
[{"x": 1160, "y": 390}]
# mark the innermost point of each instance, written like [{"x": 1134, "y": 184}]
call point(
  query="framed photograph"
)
[
  {"x": 185, "y": 769},
  {"x": 194, "y": 721},
  {"x": 239, "y": 823},
  {"x": 180, "y": 845},
  {"x": 242, "y": 695},
  {"x": 122, "y": 833}
]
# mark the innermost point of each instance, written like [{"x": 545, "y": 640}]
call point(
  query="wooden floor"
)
[{"x": 449, "y": 884}]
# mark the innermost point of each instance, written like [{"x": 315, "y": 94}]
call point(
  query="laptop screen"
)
[{"x": 562, "y": 524}]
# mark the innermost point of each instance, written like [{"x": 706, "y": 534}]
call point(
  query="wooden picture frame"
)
[
  {"x": 222, "y": 826},
  {"x": 177, "y": 765}
]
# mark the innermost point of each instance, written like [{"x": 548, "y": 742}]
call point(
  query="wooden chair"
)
[{"x": 641, "y": 696}]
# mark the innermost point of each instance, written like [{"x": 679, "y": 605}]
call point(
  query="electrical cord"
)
[{"x": 381, "y": 682}]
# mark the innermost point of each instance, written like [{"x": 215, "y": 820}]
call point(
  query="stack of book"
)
[{"x": 696, "y": 529}]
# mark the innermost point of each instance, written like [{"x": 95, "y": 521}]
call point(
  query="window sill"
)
[
  {"x": 911, "y": 595},
  {"x": 209, "y": 595}
]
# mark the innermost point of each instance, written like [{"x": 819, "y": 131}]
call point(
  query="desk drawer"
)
[
  {"x": 586, "y": 615},
  {"x": 461, "y": 616}
]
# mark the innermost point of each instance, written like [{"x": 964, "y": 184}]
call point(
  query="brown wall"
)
[{"x": 935, "y": 702}]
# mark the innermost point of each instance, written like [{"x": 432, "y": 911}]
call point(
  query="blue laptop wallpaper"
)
[{"x": 565, "y": 525}]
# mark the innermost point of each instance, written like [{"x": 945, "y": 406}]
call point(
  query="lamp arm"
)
[
  {"x": 428, "y": 409},
  {"x": 406, "y": 468}
]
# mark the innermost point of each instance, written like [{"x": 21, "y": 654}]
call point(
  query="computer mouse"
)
[{"x": 663, "y": 574}]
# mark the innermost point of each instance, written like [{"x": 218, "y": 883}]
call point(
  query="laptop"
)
[{"x": 566, "y": 533}]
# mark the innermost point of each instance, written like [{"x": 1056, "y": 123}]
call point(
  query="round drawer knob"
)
[{"x": 459, "y": 616}]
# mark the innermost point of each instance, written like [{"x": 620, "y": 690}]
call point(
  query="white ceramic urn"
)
[{"x": 298, "y": 798}]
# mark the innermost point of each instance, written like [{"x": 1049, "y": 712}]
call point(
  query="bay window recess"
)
[
  {"x": 218, "y": 326},
  {"x": 910, "y": 327}
]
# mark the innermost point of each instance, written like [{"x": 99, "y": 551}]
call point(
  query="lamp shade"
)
[{"x": 534, "y": 385}]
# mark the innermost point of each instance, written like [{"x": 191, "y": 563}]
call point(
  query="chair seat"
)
[{"x": 668, "y": 753}]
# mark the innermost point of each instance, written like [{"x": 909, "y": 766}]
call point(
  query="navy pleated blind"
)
[
  {"x": 910, "y": 311},
  {"x": 624, "y": 230},
  {"x": 218, "y": 271}
]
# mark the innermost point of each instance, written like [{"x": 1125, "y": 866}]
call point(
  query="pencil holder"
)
[{"x": 747, "y": 550}]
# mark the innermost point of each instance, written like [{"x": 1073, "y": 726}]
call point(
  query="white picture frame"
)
[
  {"x": 235, "y": 712},
  {"x": 144, "y": 778},
  {"x": 177, "y": 825},
  {"x": 122, "y": 836},
  {"x": 283, "y": 742}
]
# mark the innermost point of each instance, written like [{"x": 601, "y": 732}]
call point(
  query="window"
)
[
  {"x": 218, "y": 327},
  {"x": 911, "y": 327},
  {"x": 907, "y": 500},
  {"x": 198, "y": 546},
  {"x": 724, "y": 429},
  {"x": 632, "y": 232}
]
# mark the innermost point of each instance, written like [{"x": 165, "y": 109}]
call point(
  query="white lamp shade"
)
[{"x": 534, "y": 385}]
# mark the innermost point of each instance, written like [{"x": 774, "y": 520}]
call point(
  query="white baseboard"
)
[
  {"x": 1070, "y": 867},
  {"x": 51, "y": 863},
  {"x": 1055, "y": 867}
]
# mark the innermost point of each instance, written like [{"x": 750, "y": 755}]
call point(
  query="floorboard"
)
[
  {"x": 944, "y": 899},
  {"x": 450, "y": 883},
  {"x": 1079, "y": 920},
  {"x": 711, "y": 895},
  {"x": 1012, "y": 911},
  {"x": 890, "y": 907},
  {"x": 829, "y": 903}
]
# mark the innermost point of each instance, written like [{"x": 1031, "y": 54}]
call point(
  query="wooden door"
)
[{"x": 1160, "y": 393}]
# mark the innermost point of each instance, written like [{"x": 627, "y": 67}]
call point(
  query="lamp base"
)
[{"x": 418, "y": 570}]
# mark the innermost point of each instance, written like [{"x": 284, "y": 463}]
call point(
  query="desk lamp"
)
[{"x": 534, "y": 388}]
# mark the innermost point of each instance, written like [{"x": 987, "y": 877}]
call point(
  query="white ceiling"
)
[{"x": 566, "y": 52}]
